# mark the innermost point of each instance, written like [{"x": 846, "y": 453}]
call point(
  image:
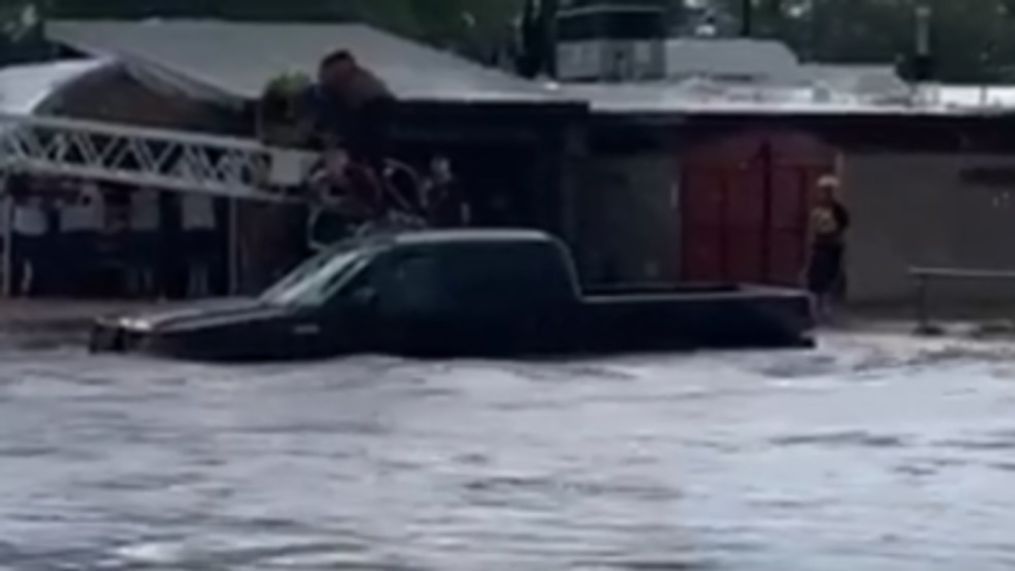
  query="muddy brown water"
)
[{"x": 873, "y": 452}]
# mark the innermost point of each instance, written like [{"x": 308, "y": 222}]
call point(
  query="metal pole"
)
[
  {"x": 548, "y": 35},
  {"x": 8, "y": 260},
  {"x": 746, "y": 18},
  {"x": 723, "y": 227},
  {"x": 923, "y": 24},
  {"x": 923, "y": 62},
  {"x": 804, "y": 184},
  {"x": 683, "y": 194},
  {"x": 924, "y": 326},
  {"x": 234, "y": 247},
  {"x": 921, "y": 303},
  {"x": 768, "y": 187}
]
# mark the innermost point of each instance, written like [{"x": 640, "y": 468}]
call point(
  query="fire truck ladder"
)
[
  {"x": 152, "y": 158},
  {"x": 155, "y": 158}
]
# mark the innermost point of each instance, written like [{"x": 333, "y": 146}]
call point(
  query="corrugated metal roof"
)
[
  {"x": 986, "y": 96},
  {"x": 238, "y": 59},
  {"x": 856, "y": 78},
  {"x": 24, "y": 88},
  {"x": 698, "y": 96}
]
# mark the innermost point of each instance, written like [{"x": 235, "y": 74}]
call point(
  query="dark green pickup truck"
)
[{"x": 460, "y": 293}]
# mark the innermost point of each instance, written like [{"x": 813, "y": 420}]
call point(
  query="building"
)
[
  {"x": 505, "y": 136},
  {"x": 703, "y": 153},
  {"x": 85, "y": 226},
  {"x": 707, "y": 182},
  {"x": 611, "y": 41},
  {"x": 706, "y": 176}
]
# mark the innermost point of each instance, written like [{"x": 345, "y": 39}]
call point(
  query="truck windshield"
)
[{"x": 313, "y": 282}]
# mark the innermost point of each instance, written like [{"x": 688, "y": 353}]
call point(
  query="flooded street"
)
[{"x": 871, "y": 453}]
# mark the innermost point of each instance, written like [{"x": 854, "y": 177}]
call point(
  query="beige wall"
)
[
  {"x": 915, "y": 210},
  {"x": 627, "y": 218}
]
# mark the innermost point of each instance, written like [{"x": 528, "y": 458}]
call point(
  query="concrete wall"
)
[
  {"x": 916, "y": 210},
  {"x": 627, "y": 218}
]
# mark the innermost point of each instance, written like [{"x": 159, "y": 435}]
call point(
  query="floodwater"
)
[{"x": 874, "y": 452}]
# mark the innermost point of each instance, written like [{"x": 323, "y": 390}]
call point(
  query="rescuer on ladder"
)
[
  {"x": 352, "y": 109},
  {"x": 352, "y": 112}
]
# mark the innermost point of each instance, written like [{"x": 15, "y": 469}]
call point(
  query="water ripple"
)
[{"x": 685, "y": 462}]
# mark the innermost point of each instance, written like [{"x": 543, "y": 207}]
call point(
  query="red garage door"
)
[{"x": 745, "y": 207}]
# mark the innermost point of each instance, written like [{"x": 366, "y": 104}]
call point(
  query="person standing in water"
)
[{"x": 830, "y": 221}]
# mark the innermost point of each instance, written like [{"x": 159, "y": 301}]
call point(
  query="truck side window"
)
[
  {"x": 414, "y": 285},
  {"x": 507, "y": 280},
  {"x": 363, "y": 286}
]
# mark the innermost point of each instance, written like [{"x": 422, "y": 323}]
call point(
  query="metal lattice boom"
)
[{"x": 156, "y": 158}]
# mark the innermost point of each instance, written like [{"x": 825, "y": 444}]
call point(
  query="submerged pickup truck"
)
[{"x": 459, "y": 293}]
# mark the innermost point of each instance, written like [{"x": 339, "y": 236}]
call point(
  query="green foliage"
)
[
  {"x": 972, "y": 40},
  {"x": 288, "y": 84}
]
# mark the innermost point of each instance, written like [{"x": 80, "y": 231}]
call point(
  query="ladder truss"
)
[{"x": 155, "y": 158}]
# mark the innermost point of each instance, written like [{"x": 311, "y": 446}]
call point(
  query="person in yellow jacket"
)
[{"x": 830, "y": 222}]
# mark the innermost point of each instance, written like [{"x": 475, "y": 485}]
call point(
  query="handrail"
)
[{"x": 925, "y": 275}]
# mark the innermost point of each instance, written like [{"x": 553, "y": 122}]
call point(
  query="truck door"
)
[
  {"x": 413, "y": 305},
  {"x": 501, "y": 295}
]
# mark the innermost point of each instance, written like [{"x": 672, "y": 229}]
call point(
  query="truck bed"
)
[
  {"x": 641, "y": 289},
  {"x": 702, "y": 315}
]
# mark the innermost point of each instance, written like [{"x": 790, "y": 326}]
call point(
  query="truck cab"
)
[{"x": 447, "y": 293}]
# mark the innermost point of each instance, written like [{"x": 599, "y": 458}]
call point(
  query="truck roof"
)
[{"x": 471, "y": 236}]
